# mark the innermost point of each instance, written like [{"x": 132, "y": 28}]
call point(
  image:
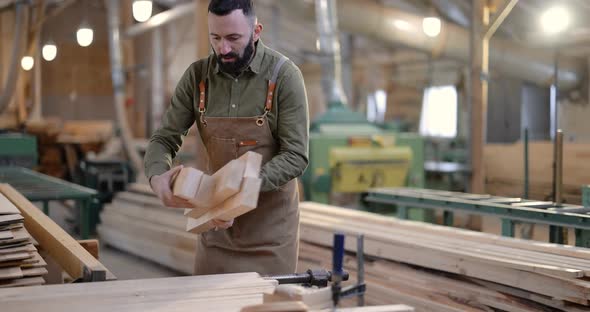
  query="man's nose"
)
[{"x": 225, "y": 47}]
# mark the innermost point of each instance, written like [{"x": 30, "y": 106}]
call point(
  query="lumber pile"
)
[
  {"x": 60, "y": 142},
  {"x": 20, "y": 263},
  {"x": 137, "y": 222},
  {"x": 504, "y": 170},
  {"x": 229, "y": 193},
  {"x": 66, "y": 252},
  {"x": 512, "y": 274},
  {"x": 224, "y": 292}
]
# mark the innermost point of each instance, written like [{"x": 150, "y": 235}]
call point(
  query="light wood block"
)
[
  {"x": 205, "y": 198},
  {"x": 187, "y": 183},
  {"x": 7, "y": 207},
  {"x": 244, "y": 201}
]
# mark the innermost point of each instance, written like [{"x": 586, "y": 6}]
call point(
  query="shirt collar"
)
[{"x": 256, "y": 62}]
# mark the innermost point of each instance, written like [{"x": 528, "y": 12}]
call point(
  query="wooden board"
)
[
  {"x": 27, "y": 281},
  {"x": 7, "y": 207},
  {"x": 9, "y": 218},
  {"x": 74, "y": 259},
  {"x": 186, "y": 183},
  {"x": 244, "y": 201},
  {"x": 10, "y": 273},
  {"x": 169, "y": 256},
  {"x": 222, "y": 292},
  {"x": 227, "y": 181}
]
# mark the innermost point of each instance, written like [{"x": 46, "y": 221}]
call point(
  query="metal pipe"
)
[
  {"x": 157, "y": 104},
  {"x": 401, "y": 28},
  {"x": 118, "y": 79},
  {"x": 360, "y": 262},
  {"x": 329, "y": 46},
  {"x": 17, "y": 48},
  {"x": 559, "y": 168},
  {"x": 526, "y": 163},
  {"x": 160, "y": 19}
]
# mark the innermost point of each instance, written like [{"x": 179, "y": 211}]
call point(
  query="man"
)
[{"x": 243, "y": 97}]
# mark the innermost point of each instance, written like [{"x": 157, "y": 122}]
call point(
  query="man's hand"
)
[
  {"x": 162, "y": 186},
  {"x": 221, "y": 224}
]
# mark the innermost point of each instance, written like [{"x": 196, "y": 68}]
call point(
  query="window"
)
[
  {"x": 376, "y": 106},
  {"x": 439, "y": 112}
]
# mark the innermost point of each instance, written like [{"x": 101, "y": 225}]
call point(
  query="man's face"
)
[{"x": 232, "y": 37}]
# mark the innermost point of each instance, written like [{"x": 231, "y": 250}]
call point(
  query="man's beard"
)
[{"x": 236, "y": 67}]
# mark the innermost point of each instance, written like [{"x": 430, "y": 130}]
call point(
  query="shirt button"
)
[
  {"x": 236, "y": 80},
  {"x": 233, "y": 106}
]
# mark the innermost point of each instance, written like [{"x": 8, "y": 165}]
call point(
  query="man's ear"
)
[{"x": 257, "y": 31}]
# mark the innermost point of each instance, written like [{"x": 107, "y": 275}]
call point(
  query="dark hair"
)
[{"x": 225, "y": 7}]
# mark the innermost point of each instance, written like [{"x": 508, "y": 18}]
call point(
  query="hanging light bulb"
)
[
  {"x": 49, "y": 51},
  {"x": 84, "y": 35},
  {"x": 27, "y": 62},
  {"x": 142, "y": 10},
  {"x": 431, "y": 26}
]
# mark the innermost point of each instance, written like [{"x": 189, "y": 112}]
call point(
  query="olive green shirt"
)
[{"x": 242, "y": 96}]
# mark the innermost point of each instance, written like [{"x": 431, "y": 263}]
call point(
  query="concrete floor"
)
[{"x": 123, "y": 265}]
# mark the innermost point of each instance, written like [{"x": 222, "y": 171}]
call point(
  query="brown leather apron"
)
[{"x": 266, "y": 239}]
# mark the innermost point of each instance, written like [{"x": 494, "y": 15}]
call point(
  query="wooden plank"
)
[
  {"x": 166, "y": 217},
  {"x": 26, "y": 248},
  {"x": 6, "y": 235},
  {"x": 30, "y": 272},
  {"x": 7, "y": 207},
  {"x": 74, "y": 259},
  {"x": 222, "y": 292},
  {"x": 10, "y": 273},
  {"x": 244, "y": 201},
  {"x": 227, "y": 181},
  {"x": 27, "y": 281},
  {"x": 18, "y": 236},
  {"x": 15, "y": 256},
  {"x": 186, "y": 183},
  {"x": 168, "y": 256},
  {"x": 251, "y": 162},
  {"x": 9, "y": 218},
  {"x": 285, "y": 306},
  {"x": 91, "y": 245},
  {"x": 177, "y": 238}
]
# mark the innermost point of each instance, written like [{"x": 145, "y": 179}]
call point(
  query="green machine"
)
[
  {"x": 348, "y": 154},
  {"x": 18, "y": 149}
]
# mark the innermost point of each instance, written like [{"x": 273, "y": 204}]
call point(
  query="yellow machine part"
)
[{"x": 356, "y": 169}]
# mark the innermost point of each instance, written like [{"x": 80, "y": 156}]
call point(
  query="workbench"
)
[
  {"x": 38, "y": 187},
  {"x": 509, "y": 209}
]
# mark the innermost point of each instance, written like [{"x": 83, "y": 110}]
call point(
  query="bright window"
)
[
  {"x": 439, "y": 112},
  {"x": 376, "y": 106}
]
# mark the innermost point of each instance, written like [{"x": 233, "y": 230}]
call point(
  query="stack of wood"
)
[
  {"x": 504, "y": 170},
  {"x": 137, "y": 222},
  {"x": 512, "y": 274},
  {"x": 226, "y": 292},
  {"x": 20, "y": 263},
  {"x": 61, "y": 142},
  {"x": 51, "y": 154},
  {"x": 227, "y": 194}
]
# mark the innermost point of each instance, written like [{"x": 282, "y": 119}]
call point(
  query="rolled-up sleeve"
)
[
  {"x": 292, "y": 132},
  {"x": 178, "y": 118}
]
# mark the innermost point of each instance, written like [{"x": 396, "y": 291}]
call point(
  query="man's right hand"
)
[{"x": 162, "y": 186}]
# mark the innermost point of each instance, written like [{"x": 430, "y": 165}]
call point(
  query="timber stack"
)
[{"x": 440, "y": 268}]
